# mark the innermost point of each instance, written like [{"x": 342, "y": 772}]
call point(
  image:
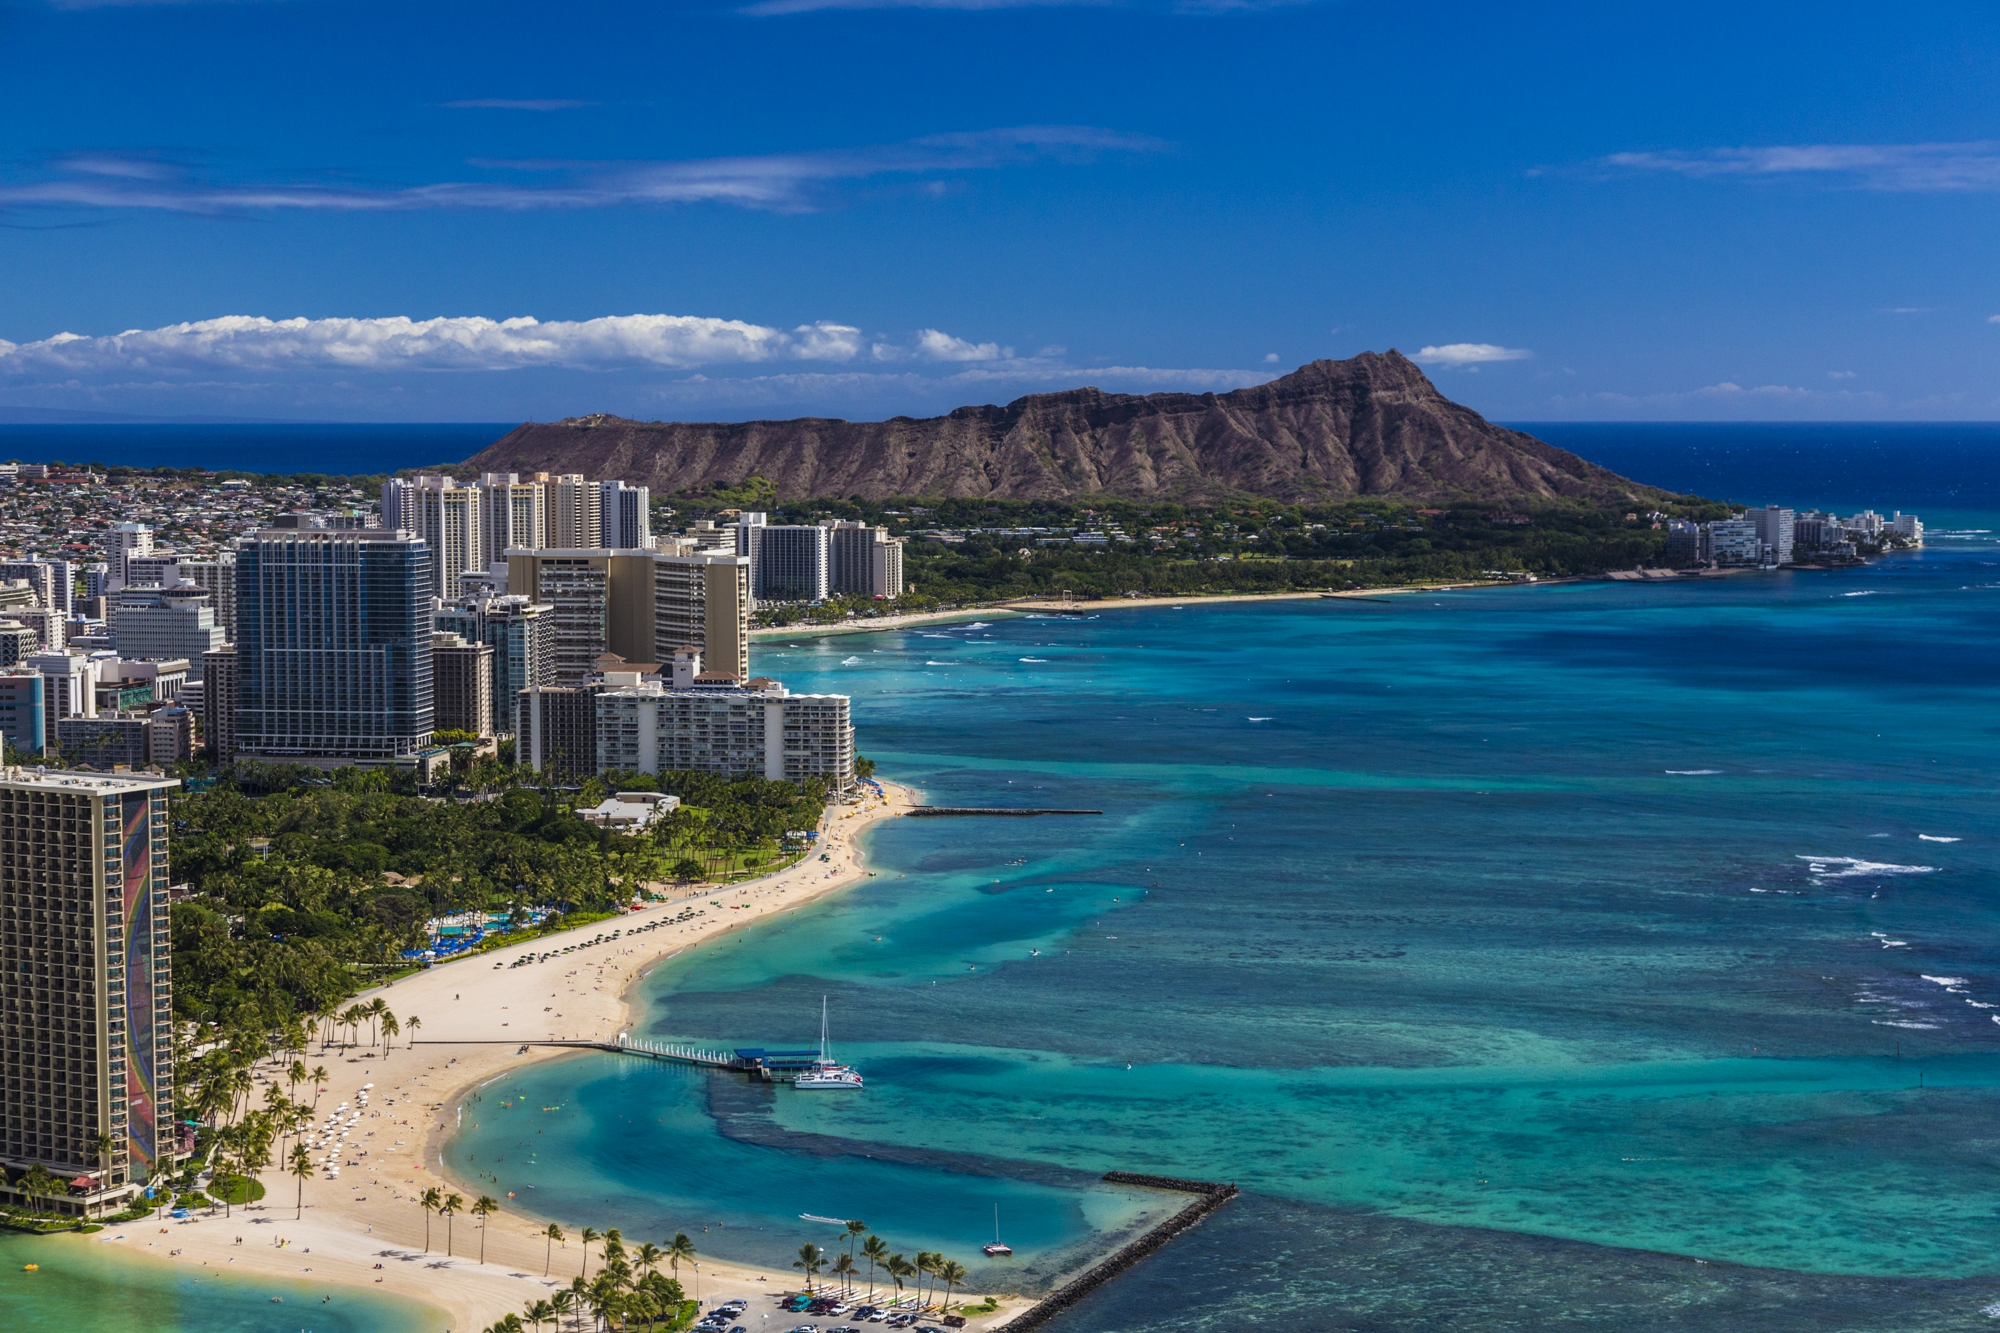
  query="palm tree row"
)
[
  {"x": 876, "y": 1251},
  {"x": 628, "y": 1292}
]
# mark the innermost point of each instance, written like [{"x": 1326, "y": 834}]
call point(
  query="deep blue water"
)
[
  {"x": 339, "y": 450},
  {"x": 1590, "y": 956},
  {"x": 1886, "y": 465}
]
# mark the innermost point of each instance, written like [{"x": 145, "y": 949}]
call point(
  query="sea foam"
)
[
  {"x": 1854, "y": 865},
  {"x": 1932, "y": 837},
  {"x": 1694, "y": 772}
]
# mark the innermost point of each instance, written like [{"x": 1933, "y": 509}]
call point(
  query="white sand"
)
[{"x": 474, "y": 1017}]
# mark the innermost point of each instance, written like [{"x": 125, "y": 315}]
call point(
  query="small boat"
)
[
  {"x": 827, "y": 1074},
  {"x": 998, "y": 1248}
]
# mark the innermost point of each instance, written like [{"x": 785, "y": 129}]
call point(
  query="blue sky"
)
[{"x": 435, "y": 210}]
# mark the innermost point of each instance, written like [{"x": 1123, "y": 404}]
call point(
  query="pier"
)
[{"x": 760, "y": 1063}]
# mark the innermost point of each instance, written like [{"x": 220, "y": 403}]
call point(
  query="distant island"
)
[{"x": 1372, "y": 426}]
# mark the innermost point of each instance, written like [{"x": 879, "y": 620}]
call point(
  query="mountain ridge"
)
[{"x": 1371, "y": 425}]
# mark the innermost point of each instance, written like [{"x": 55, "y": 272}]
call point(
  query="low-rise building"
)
[{"x": 630, "y": 811}]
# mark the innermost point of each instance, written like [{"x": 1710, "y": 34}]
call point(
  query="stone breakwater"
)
[{"x": 1212, "y": 1197}]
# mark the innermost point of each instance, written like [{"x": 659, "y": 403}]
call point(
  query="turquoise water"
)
[
  {"x": 85, "y": 1287},
  {"x": 1514, "y": 949}
]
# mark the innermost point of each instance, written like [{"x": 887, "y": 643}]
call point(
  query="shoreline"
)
[
  {"x": 1047, "y": 606},
  {"x": 366, "y": 1228}
]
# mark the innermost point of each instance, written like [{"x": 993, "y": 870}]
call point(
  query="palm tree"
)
[
  {"x": 926, "y": 1264},
  {"x": 874, "y": 1250},
  {"x": 843, "y": 1266},
  {"x": 538, "y": 1313},
  {"x": 302, "y": 1167},
  {"x": 430, "y": 1201},
  {"x": 854, "y": 1228},
  {"x": 810, "y": 1258},
  {"x": 678, "y": 1249},
  {"x": 589, "y": 1237},
  {"x": 389, "y": 1030},
  {"x": 39, "y": 1183},
  {"x": 103, "y": 1146},
  {"x": 454, "y": 1204},
  {"x": 606, "y": 1298},
  {"x": 953, "y": 1273},
  {"x": 898, "y": 1268},
  {"x": 649, "y": 1256},
  {"x": 318, "y": 1077},
  {"x": 614, "y": 1245},
  {"x": 377, "y": 1009},
  {"x": 483, "y": 1207},
  {"x": 562, "y": 1303},
  {"x": 554, "y": 1234},
  {"x": 415, "y": 1024}
]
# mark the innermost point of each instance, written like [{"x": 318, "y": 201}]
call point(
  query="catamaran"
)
[
  {"x": 998, "y": 1247},
  {"x": 826, "y": 1073}
]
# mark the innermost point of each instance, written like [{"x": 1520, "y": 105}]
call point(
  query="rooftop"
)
[{"x": 47, "y": 779}]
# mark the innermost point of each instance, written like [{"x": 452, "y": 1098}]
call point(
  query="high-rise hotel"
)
[{"x": 86, "y": 1000}]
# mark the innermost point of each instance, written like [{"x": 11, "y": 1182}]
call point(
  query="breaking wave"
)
[{"x": 1851, "y": 866}]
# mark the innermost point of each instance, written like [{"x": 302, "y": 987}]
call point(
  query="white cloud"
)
[
  {"x": 780, "y": 181},
  {"x": 1993, "y": 319},
  {"x": 938, "y": 346},
  {"x": 1270, "y": 358},
  {"x": 252, "y": 343},
  {"x": 1469, "y": 354},
  {"x": 1727, "y": 400},
  {"x": 1972, "y": 166},
  {"x": 1840, "y": 374}
]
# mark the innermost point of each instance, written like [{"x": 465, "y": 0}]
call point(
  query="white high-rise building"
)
[
  {"x": 864, "y": 561},
  {"x": 1735, "y": 541},
  {"x": 788, "y": 562},
  {"x": 515, "y": 517},
  {"x": 758, "y": 730},
  {"x": 124, "y": 541},
  {"x": 447, "y": 516},
  {"x": 1775, "y": 528},
  {"x": 70, "y": 682},
  {"x": 575, "y": 521}
]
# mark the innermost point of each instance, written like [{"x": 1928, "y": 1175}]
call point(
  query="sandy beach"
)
[
  {"x": 1047, "y": 606},
  {"x": 366, "y": 1229}
]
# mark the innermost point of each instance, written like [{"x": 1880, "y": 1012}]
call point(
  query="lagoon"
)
[{"x": 1502, "y": 944}]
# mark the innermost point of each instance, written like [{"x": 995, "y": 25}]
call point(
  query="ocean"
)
[
  {"x": 327, "y": 448},
  {"x": 1585, "y": 956},
  {"x": 1574, "y": 956}
]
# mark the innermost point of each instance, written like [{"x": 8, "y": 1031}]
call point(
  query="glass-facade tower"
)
[{"x": 333, "y": 653}]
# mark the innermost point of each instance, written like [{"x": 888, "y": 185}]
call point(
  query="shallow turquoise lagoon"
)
[
  {"x": 1505, "y": 945},
  {"x": 86, "y": 1285}
]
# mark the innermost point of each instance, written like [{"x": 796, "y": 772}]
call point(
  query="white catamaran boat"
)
[
  {"x": 998, "y": 1247},
  {"x": 825, "y": 1073}
]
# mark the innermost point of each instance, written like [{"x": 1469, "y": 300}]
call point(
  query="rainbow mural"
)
[{"x": 141, "y": 1041}]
